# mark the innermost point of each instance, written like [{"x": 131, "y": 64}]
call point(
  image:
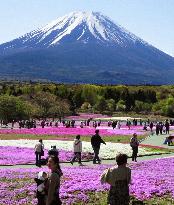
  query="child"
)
[
  {"x": 77, "y": 150},
  {"x": 40, "y": 180}
]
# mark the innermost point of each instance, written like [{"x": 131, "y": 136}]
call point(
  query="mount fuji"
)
[{"x": 85, "y": 47}]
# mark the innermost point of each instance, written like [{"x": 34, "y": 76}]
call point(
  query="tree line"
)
[{"x": 36, "y": 100}]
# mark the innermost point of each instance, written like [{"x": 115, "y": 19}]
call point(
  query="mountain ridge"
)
[
  {"x": 82, "y": 43},
  {"x": 96, "y": 25}
]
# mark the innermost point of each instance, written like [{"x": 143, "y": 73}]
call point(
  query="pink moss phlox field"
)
[
  {"x": 149, "y": 179},
  {"x": 125, "y": 131},
  {"x": 76, "y": 183},
  {"x": 10, "y": 155},
  {"x": 86, "y": 131},
  {"x": 153, "y": 178},
  {"x": 86, "y": 116}
]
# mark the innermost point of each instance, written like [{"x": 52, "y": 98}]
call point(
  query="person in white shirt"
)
[
  {"x": 77, "y": 145},
  {"x": 39, "y": 150},
  {"x": 118, "y": 125}
]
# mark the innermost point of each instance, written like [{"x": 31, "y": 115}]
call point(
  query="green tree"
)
[
  {"x": 168, "y": 108},
  {"x": 86, "y": 106},
  {"x": 101, "y": 104},
  {"x": 50, "y": 105},
  {"x": 121, "y": 105},
  {"x": 77, "y": 98},
  {"x": 45, "y": 101},
  {"x": 141, "y": 106},
  {"x": 13, "y": 108},
  {"x": 59, "y": 109},
  {"x": 89, "y": 93},
  {"x": 111, "y": 105},
  {"x": 164, "y": 107}
]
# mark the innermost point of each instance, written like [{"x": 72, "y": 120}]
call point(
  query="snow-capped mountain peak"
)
[
  {"x": 77, "y": 26},
  {"x": 85, "y": 47},
  {"x": 85, "y": 26}
]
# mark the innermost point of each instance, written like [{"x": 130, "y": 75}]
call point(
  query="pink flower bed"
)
[
  {"x": 18, "y": 155},
  {"x": 54, "y": 131},
  {"x": 125, "y": 132},
  {"x": 86, "y": 131},
  {"x": 85, "y": 116},
  {"x": 149, "y": 179}
]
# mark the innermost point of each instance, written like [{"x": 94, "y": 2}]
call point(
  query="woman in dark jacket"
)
[{"x": 53, "y": 184}]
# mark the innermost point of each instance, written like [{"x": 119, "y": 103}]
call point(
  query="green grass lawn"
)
[
  {"x": 165, "y": 150},
  {"x": 116, "y": 138},
  {"x": 100, "y": 198}
]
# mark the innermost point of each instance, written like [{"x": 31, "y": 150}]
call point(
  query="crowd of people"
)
[
  {"x": 118, "y": 177},
  {"x": 157, "y": 127},
  {"x": 160, "y": 127}
]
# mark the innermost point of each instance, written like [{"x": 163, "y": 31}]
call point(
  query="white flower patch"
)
[{"x": 108, "y": 151}]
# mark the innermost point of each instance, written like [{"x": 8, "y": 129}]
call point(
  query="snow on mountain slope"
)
[
  {"x": 76, "y": 26},
  {"x": 85, "y": 47}
]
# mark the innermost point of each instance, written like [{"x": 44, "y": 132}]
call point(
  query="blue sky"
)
[{"x": 151, "y": 20}]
